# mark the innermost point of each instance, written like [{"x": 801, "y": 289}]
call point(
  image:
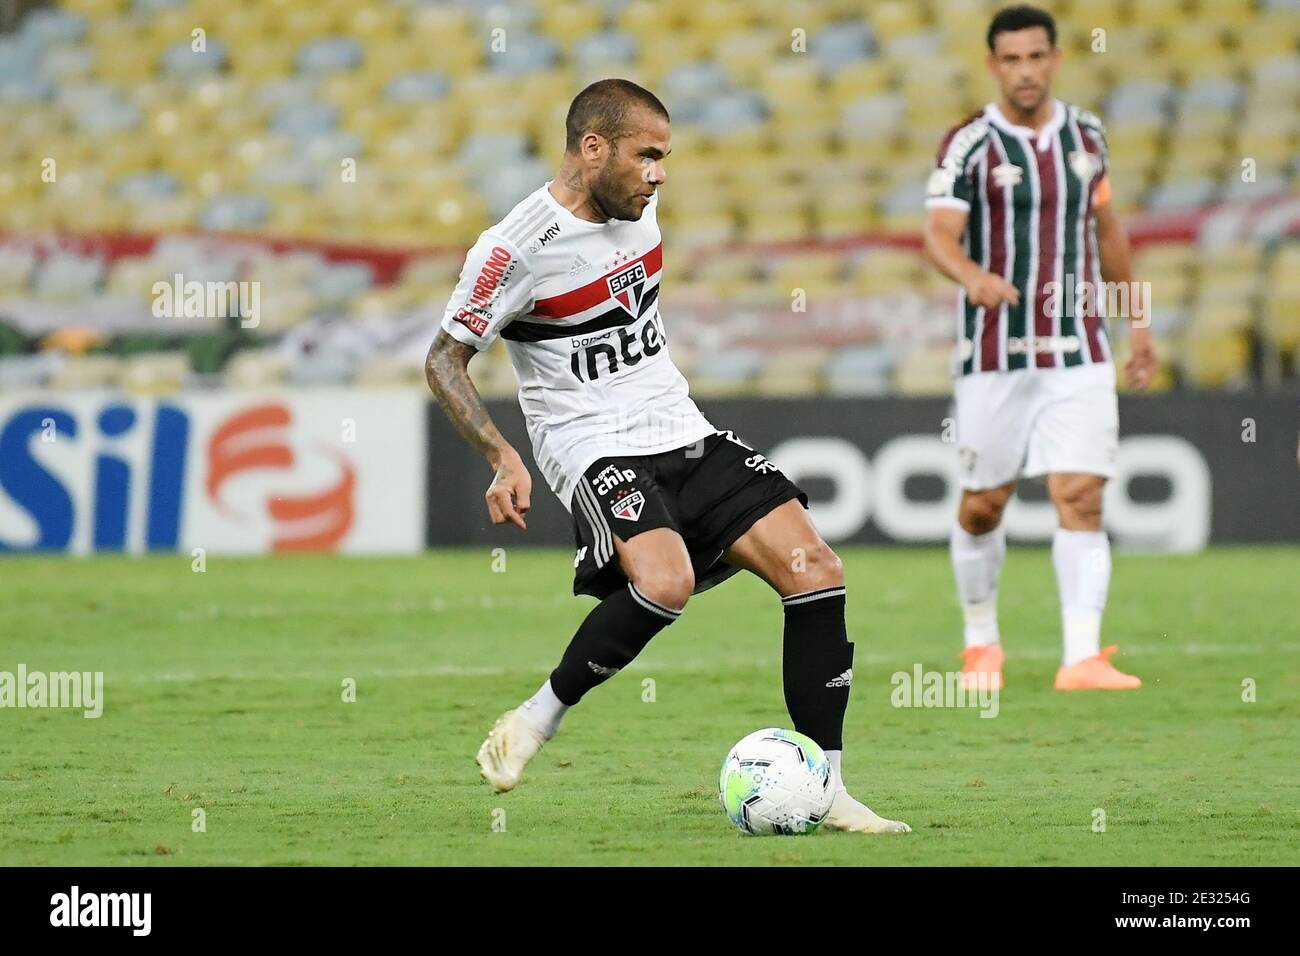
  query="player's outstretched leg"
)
[
  {"x": 817, "y": 657},
  {"x": 978, "y": 546},
  {"x": 615, "y": 632},
  {"x": 1081, "y": 554}
]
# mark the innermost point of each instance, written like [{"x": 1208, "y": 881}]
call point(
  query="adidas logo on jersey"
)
[
  {"x": 844, "y": 680},
  {"x": 580, "y": 265}
]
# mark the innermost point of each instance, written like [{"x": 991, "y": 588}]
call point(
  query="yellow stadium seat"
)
[
  {"x": 155, "y": 373},
  {"x": 1281, "y": 315},
  {"x": 87, "y": 371},
  {"x": 891, "y": 19},
  {"x": 1215, "y": 360},
  {"x": 924, "y": 371},
  {"x": 1159, "y": 14}
]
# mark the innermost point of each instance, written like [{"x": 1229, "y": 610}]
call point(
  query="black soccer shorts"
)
[{"x": 710, "y": 493}]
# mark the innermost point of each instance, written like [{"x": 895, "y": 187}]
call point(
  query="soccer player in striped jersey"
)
[
  {"x": 1018, "y": 212},
  {"x": 664, "y": 505}
]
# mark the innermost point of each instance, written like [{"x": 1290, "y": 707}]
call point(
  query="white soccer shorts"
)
[{"x": 1031, "y": 422}]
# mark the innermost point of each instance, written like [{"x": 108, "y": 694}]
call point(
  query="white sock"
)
[
  {"x": 976, "y": 563},
  {"x": 835, "y": 756},
  {"x": 1082, "y": 560},
  {"x": 544, "y": 710}
]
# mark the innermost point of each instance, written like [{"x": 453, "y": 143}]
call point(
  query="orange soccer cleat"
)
[
  {"x": 1096, "y": 673},
  {"x": 981, "y": 667}
]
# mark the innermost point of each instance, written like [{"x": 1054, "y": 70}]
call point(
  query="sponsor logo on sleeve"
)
[{"x": 476, "y": 314}]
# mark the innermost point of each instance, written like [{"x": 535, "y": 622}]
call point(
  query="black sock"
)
[
  {"x": 616, "y": 631},
  {"x": 817, "y": 665}
]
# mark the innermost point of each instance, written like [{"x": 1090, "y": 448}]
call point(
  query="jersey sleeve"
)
[
  {"x": 1091, "y": 128},
  {"x": 950, "y": 185},
  {"x": 495, "y": 287}
]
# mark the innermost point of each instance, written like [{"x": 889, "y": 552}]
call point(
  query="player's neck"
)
[
  {"x": 569, "y": 189},
  {"x": 1034, "y": 119}
]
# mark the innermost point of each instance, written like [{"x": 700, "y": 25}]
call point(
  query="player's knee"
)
[
  {"x": 821, "y": 568},
  {"x": 982, "y": 513},
  {"x": 1079, "y": 500},
  {"x": 670, "y": 585}
]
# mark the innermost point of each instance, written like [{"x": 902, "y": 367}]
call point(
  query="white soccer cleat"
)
[
  {"x": 510, "y": 744},
  {"x": 850, "y": 816}
]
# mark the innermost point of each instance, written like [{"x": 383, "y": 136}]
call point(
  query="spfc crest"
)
[
  {"x": 1084, "y": 164},
  {"x": 629, "y": 507},
  {"x": 626, "y": 288}
]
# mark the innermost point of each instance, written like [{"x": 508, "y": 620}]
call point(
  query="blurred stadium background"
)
[
  {"x": 790, "y": 170},
  {"x": 344, "y": 155}
]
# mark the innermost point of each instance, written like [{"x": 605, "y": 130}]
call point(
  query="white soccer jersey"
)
[{"x": 577, "y": 303}]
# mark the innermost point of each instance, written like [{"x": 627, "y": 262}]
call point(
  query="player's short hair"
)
[
  {"x": 604, "y": 108},
  {"x": 1021, "y": 17}
]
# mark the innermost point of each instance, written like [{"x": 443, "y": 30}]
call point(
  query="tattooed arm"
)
[{"x": 447, "y": 371}]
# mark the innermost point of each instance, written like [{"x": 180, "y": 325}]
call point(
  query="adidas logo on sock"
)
[
  {"x": 602, "y": 671},
  {"x": 844, "y": 680}
]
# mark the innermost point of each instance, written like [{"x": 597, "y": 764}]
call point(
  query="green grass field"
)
[{"x": 223, "y": 692}]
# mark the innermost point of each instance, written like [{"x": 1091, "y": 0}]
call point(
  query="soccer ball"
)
[{"x": 776, "y": 782}]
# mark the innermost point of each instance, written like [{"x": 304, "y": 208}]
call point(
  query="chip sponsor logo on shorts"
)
[
  {"x": 629, "y": 507},
  {"x": 760, "y": 464},
  {"x": 967, "y": 458},
  {"x": 577, "y": 558},
  {"x": 610, "y": 477}
]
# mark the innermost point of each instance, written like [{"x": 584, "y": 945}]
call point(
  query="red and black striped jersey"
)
[{"x": 1030, "y": 200}]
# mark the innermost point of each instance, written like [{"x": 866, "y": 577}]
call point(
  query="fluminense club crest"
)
[{"x": 1084, "y": 164}]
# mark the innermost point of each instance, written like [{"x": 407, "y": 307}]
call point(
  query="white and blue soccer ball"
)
[{"x": 776, "y": 783}]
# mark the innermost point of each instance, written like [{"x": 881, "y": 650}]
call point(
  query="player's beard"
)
[{"x": 610, "y": 198}]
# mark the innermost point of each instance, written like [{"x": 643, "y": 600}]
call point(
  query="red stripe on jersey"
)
[
  {"x": 593, "y": 293},
  {"x": 997, "y": 260},
  {"x": 1091, "y": 317},
  {"x": 1047, "y": 199}
]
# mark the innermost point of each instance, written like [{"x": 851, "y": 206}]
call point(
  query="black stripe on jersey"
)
[
  {"x": 1071, "y": 261},
  {"x": 976, "y": 251},
  {"x": 1026, "y": 244},
  {"x": 520, "y": 331}
]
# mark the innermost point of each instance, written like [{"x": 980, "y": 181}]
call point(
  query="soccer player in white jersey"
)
[
  {"x": 664, "y": 504},
  {"x": 1019, "y": 213}
]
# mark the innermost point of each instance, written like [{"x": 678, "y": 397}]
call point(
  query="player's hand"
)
[
  {"x": 508, "y": 497},
  {"x": 990, "y": 291},
  {"x": 1141, "y": 367}
]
